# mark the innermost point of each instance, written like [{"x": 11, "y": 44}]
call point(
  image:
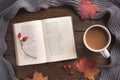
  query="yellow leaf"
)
[
  {"x": 91, "y": 73},
  {"x": 37, "y": 76}
]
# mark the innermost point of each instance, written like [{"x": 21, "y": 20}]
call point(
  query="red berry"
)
[
  {"x": 71, "y": 73},
  {"x": 19, "y": 35},
  {"x": 69, "y": 66},
  {"x": 64, "y": 67},
  {"x": 24, "y": 38}
]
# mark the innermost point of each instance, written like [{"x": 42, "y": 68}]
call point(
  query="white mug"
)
[{"x": 104, "y": 50}]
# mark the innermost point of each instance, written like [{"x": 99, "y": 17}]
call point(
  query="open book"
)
[{"x": 48, "y": 40}]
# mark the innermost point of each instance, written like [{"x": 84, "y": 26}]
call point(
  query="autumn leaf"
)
[
  {"x": 88, "y": 9},
  {"x": 87, "y": 67},
  {"x": 27, "y": 79},
  {"x": 90, "y": 73},
  {"x": 91, "y": 64},
  {"x": 80, "y": 65},
  {"x": 37, "y": 76},
  {"x": 84, "y": 63}
]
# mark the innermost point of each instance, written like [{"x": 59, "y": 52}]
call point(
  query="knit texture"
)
[{"x": 9, "y": 8}]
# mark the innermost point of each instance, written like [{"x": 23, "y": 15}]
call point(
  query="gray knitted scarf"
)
[{"x": 9, "y": 8}]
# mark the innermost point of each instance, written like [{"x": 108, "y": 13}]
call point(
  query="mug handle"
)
[{"x": 105, "y": 53}]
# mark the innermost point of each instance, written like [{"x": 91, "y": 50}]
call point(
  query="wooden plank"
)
[
  {"x": 79, "y": 25},
  {"x": 53, "y": 70}
]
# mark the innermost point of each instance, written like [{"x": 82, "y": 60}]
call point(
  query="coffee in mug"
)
[{"x": 97, "y": 38}]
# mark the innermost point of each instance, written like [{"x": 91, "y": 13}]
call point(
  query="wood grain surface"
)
[{"x": 53, "y": 70}]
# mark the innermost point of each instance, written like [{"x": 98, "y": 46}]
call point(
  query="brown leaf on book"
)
[{"x": 37, "y": 76}]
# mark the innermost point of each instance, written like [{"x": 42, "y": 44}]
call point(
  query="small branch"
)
[{"x": 24, "y": 50}]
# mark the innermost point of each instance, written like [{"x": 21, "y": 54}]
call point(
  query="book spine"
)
[{"x": 15, "y": 43}]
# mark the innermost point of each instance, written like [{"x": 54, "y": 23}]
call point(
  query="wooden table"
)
[{"x": 53, "y": 70}]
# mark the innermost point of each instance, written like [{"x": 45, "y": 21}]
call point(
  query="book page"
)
[
  {"x": 33, "y": 46},
  {"x": 59, "y": 39}
]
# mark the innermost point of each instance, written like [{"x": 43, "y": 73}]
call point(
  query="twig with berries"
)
[{"x": 24, "y": 38}]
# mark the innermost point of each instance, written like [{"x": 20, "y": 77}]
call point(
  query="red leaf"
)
[
  {"x": 81, "y": 65},
  {"x": 85, "y": 64},
  {"x": 87, "y": 67},
  {"x": 88, "y": 9},
  {"x": 91, "y": 64}
]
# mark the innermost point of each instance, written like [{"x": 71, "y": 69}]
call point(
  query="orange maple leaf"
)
[
  {"x": 87, "y": 67},
  {"x": 90, "y": 73},
  {"x": 37, "y": 76},
  {"x": 88, "y": 9}
]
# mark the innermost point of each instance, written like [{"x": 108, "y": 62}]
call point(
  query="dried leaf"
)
[
  {"x": 91, "y": 64},
  {"x": 37, "y": 76},
  {"x": 81, "y": 65},
  {"x": 84, "y": 64},
  {"x": 27, "y": 79},
  {"x": 87, "y": 67},
  {"x": 90, "y": 73},
  {"x": 88, "y": 9}
]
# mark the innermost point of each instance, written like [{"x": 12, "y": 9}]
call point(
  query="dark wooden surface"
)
[{"x": 53, "y": 70}]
